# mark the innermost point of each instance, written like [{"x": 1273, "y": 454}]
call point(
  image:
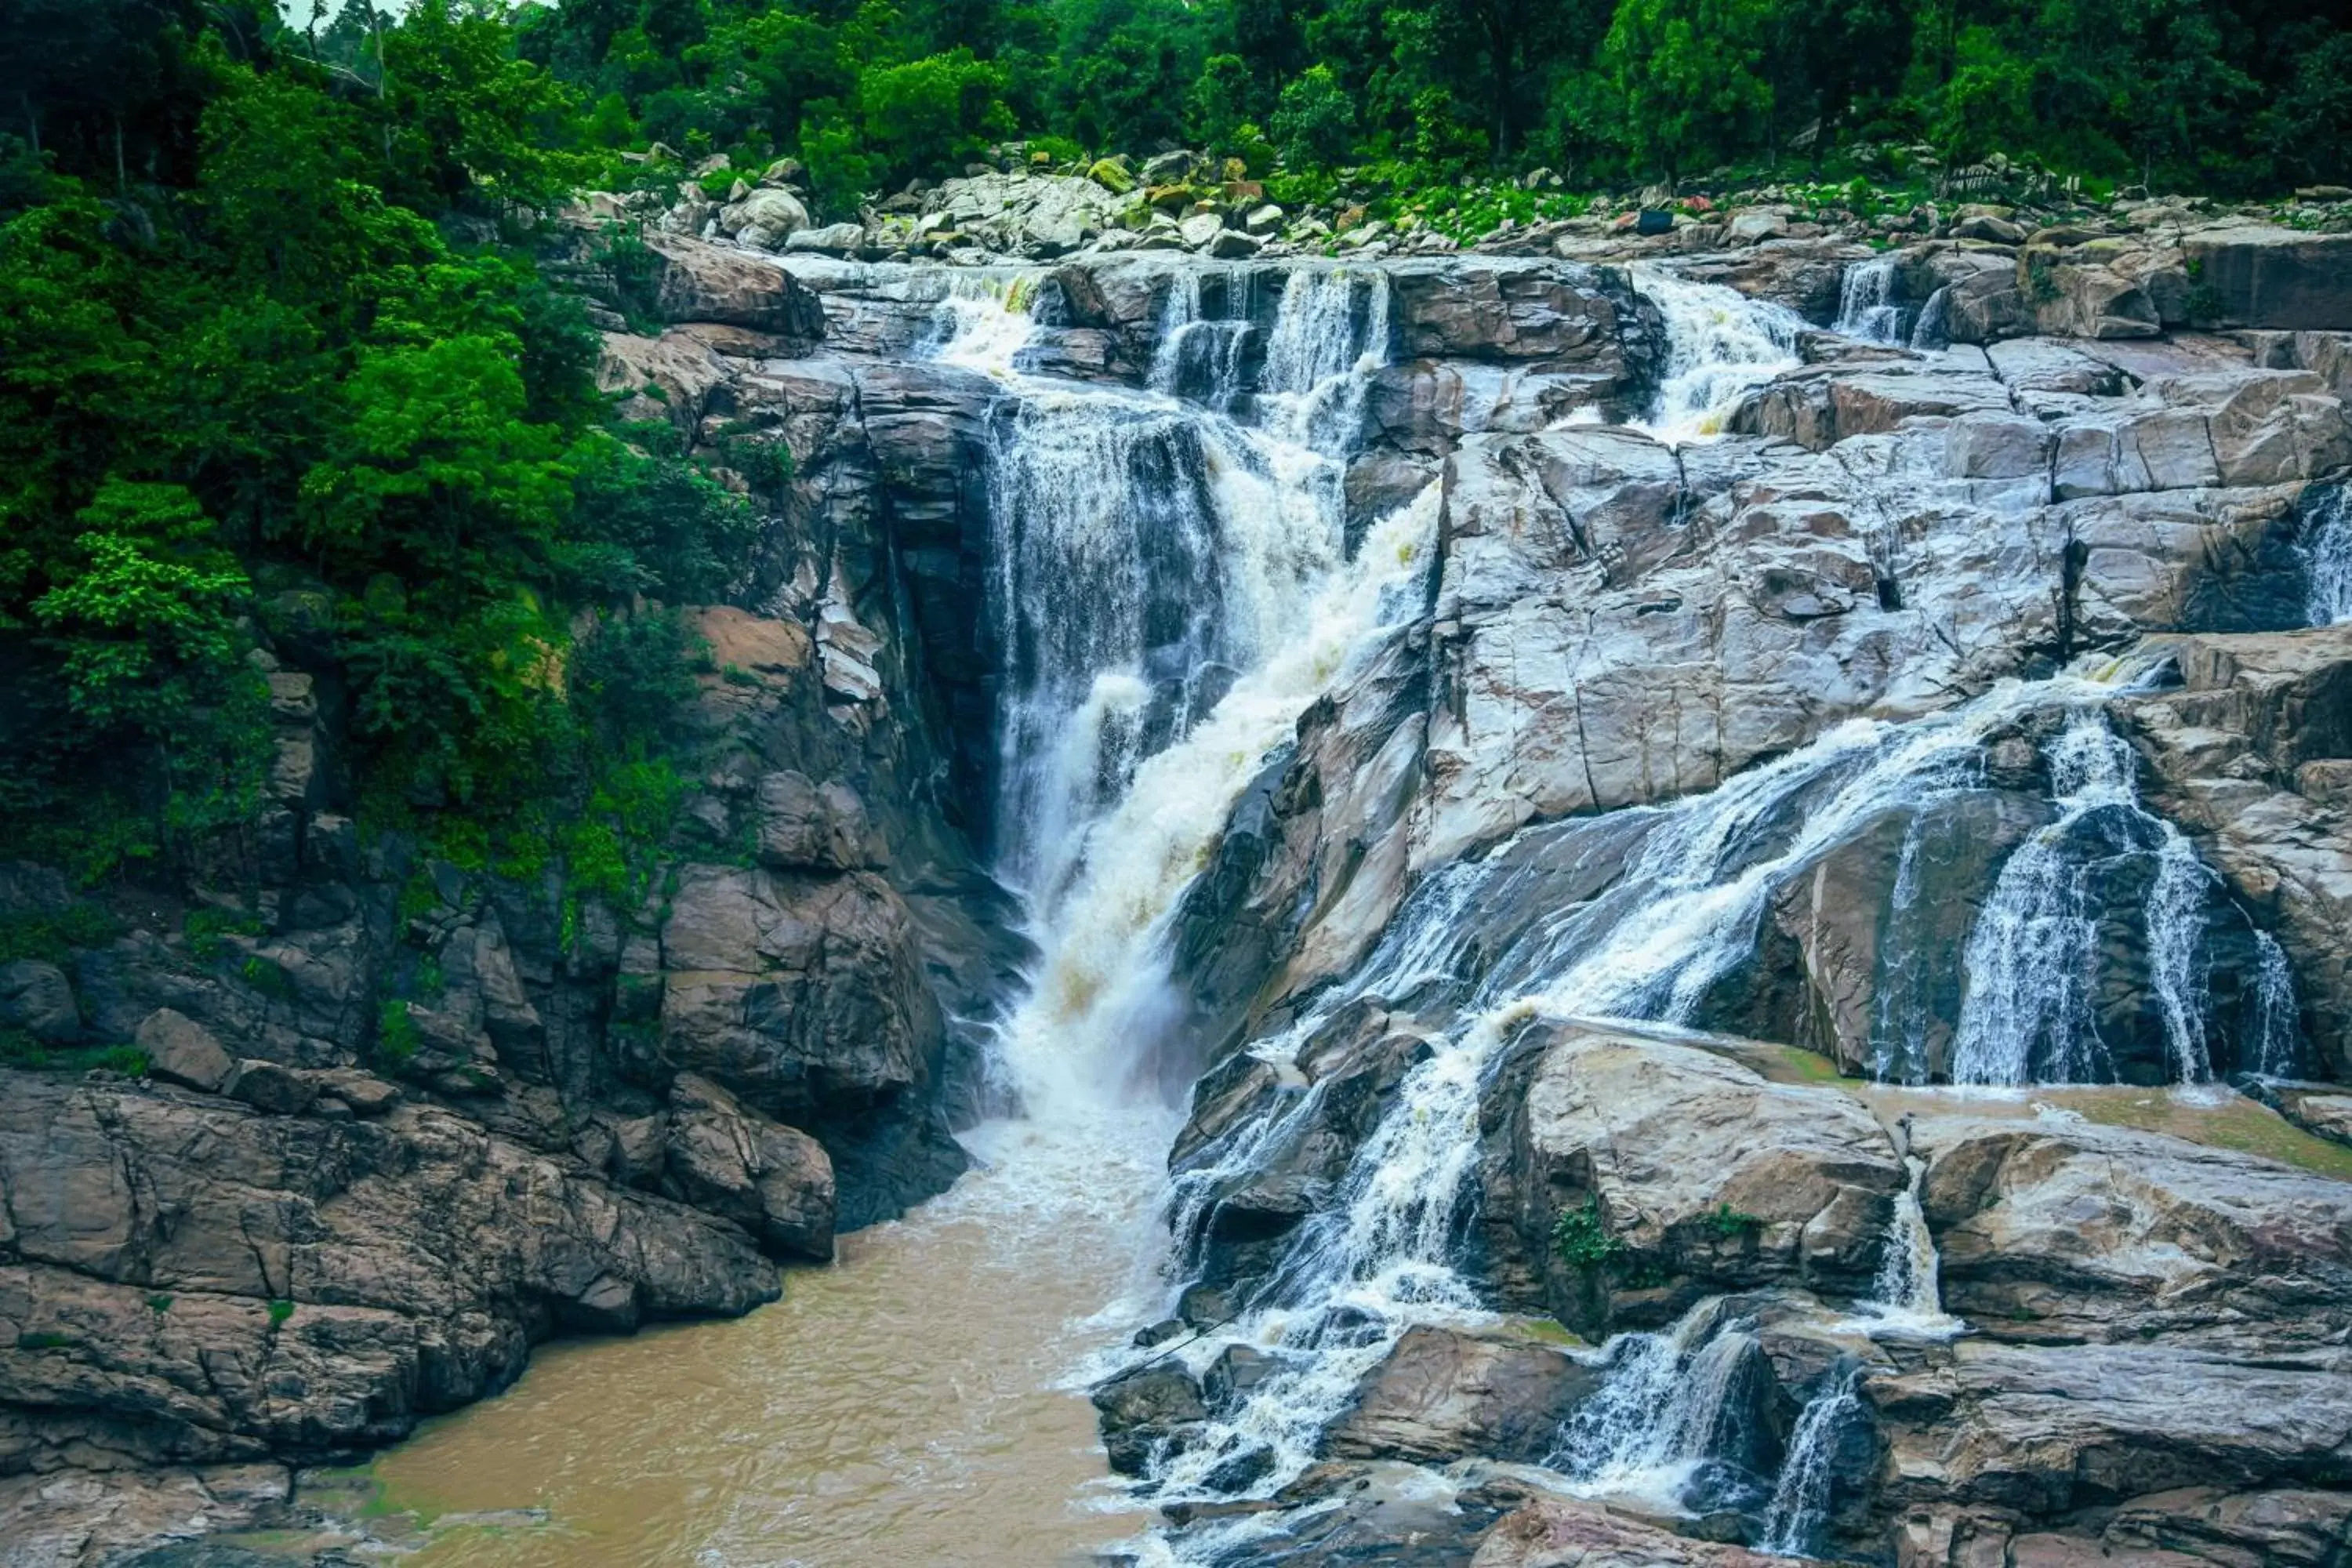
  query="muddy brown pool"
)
[{"x": 911, "y": 1404}]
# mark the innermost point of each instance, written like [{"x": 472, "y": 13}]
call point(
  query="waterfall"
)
[
  {"x": 1866, "y": 306},
  {"x": 1801, "y": 1502},
  {"x": 1686, "y": 911},
  {"x": 1720, "y": 344},
  {"x": 1167, "y": 596},
  {"x": 1201, "y": 356},
  {"x": 1898, "y": 1036},
  {"x": 1931, "y": 333},
  {"x": 1383, "y": 1257},
  {"x": 2028, "y": 1014},
  {"x": 1905, "y": 1297},
  {"x": 1147, "y": 549},
  {"x": 1332, "y": 327},
  {"x": 2327, "y": 546},
  {"x": 2278, "y": 1052},
  {"x": 1663, "y": 1410}
]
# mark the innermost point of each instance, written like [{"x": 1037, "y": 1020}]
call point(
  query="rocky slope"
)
[{"x": 415, "y": 1119}]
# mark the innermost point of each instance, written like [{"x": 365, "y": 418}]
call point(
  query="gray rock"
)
[
  {"x": 774, "y": 1181},
  {"x": 830, "y": 239},
  {"x": 2074, "y": 1232},
  {"x": 37, "y": 997},
  {"x": 181, "y": 1050},
  {"x": 266, "y": 1087},
  {"x": 1443, "y": 1394}
]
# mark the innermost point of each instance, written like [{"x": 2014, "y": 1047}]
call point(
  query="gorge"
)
[{"x": 1656, "y": 906}]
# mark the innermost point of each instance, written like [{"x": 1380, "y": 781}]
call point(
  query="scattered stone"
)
[{"x": 181, "y": 1050}]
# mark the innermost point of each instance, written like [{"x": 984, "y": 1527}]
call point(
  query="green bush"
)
[{"x": 1582, "y": 1237}]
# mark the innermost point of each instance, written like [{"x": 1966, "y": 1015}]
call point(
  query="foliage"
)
[
  {"x": 1729, "y": 1223},
  {"x": 257, "y": 396},
  {"x": 19, "y": 1050},
  {"x": 208, "y": 930},
  {"x": 53, "y": 938},
  {"x": 1583, "y": 1237}
]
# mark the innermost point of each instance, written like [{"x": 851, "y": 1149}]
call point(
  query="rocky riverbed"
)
[{"x": 1428, "y": 717}]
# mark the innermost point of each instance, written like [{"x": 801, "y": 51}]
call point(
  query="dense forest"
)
[{"x": 278, "y": 369}]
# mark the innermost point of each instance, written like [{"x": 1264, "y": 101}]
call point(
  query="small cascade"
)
[
  {"x": 1720, "y": 344},
  {"x": 2326, "y": 547},
  {"x": 1198, "y": 357},
  {"x": 1907, "y": 1299},
  {"x": 1867, "y": 309},
  {"x": 2029, "y": 1015},
  {"x": 1932, "y": 332},
  {"x": 1664, "y": 1410},
  {"x": 1332, "y": 327},
  {"x": 983, "y": 325},
  {"x": 1898, "y": 1036},
  {"x": 2278, "y": 1034},
  {"x": 1801, "y": 1502}
]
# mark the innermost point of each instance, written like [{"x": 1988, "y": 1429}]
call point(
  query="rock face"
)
[
  {"x": 187, "y": 1280},
  {"x": 2097, "y": 1235},
  {"x": 1619, "y": 641},
  {"x": 1706, "y": 1177},
  {"x": 1441, "y": 1395}
]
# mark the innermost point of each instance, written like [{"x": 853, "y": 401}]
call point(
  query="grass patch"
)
[
  {"x": 2238, "y": 1123},
  {"x": 19, "y": 1050},
  {"x": 53, "y": 936}
]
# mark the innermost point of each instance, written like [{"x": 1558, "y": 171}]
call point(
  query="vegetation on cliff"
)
[{"x": 277, "y": 370}]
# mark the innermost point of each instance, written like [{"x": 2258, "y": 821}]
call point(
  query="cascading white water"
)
[
  {"x": 1148, "y": 550},
  {"x": 1384, "y": 1256},
  {"x": 1907, "y": 1298},
  {"x": 1201, "y": 356},
  {"x": 1169, "y": 596},
  {"x": 1800, "y": 1501},
  {"x": 2028, "y": 1014},
  {"x": 1866, "y": 307},
  {"x": 2278, "y": 1033},
  {"x": 1900, "y": 1014},
  {"x": 1719, "y": 344},
  {"x": 2327, "y": 557},
  {"x": 1931, "y": 333},
  {"x": 1665, "y": 1407}
]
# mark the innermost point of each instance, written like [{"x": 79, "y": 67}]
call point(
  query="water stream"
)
[
  {"x": 2327, "y": 556},
  {"x": 1867, "y": 309}
]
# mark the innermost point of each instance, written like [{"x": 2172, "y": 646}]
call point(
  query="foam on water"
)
[
  {"x": 1719, "y": 344},
  {"x": 2033, "y": 956},
  {"x": 1866, "y": 306}
]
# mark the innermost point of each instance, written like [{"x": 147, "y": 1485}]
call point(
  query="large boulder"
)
[
  {"x": 2256, "y": 275},
  {"x": 2070, "y": 1231},
  {"x": 698, "y": 282},
  {"x": 1626, "y": 1176},
  {"x": 774, "y": 1181},
  {"x": 800, "y": 995},
  {"x": 1443, "y": 1394}
]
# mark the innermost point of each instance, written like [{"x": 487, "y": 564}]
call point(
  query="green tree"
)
[
  {"x": 1689, "y": 76},
  {"x": 1316, "y": 123}
]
